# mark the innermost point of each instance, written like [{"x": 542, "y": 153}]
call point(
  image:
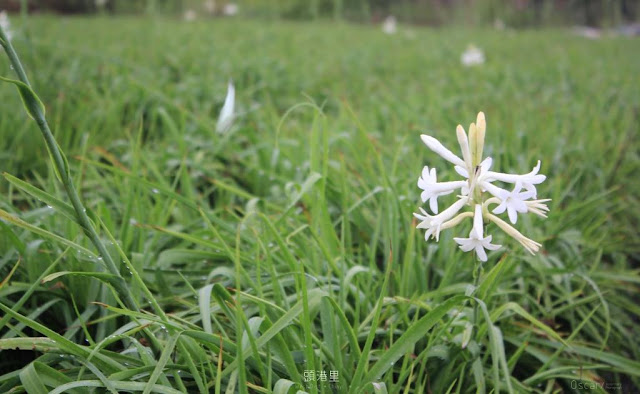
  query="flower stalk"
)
[{"x": 36, "y": 110}]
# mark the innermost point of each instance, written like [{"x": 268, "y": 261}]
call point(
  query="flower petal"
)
[
  {"x": 464, "y": 145},
  {"x": 513, "y": 215},
  {"x": 226, "y": 113},
  {"x": 466, "y": 244},
  {"x": 482, "y": 255},
  {"x": 438, "y": 148},
  {"x": 500, "y": 208},
  {"x": 433, "y": 204},
  {"x": 462, "y": 171}
]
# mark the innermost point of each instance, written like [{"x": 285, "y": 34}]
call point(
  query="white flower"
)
[
  {"x": 5, "y": 25},
  {"x": 472, "y": 56},
  {"x": 476, "y": 241},
  {"x": 513, "y": 202},
  {"x": 527, "y": 180},
  {"x": 432, "y": 189},
  {"x": 190, "y": 15},
  {"x": 226, "y": 113},
  {"x": 209, "y": 6},
  {"x": 478, "y": 191},
  {"x": 390, "y": 25},
  {"x": 101, "y": 3},
  {"x": 230, "y": 9},
  {"x": 443, "y": 220}
]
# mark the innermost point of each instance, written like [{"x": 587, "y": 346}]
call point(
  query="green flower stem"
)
[
  {"x": 60, "y": 163},
  {"x": 477, "y": 271}
]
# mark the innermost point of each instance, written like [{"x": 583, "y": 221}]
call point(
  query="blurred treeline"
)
[{"x": 513, "y": 13}]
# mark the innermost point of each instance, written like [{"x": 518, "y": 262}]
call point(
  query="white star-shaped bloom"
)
[
  {"x": 432, "y": 189},
  {"x": 476, "y": 241},
  {"x": 434, "y": 223},
  {"x": 513, "y": 202}
]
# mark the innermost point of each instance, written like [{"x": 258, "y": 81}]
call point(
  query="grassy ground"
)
[{"x": 288, "y": 245}]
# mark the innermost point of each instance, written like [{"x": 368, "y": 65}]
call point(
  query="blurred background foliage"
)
[{"x": 513, "y": 13}]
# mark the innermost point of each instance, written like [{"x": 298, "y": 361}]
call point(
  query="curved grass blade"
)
[
  {"x": 162, "y": 362},
  {"x": 413, "y": 334},
  {"x": 119, "y": 385}
]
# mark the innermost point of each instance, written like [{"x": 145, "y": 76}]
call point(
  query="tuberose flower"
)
[
  {"x": 230, "y": 9},
  {"x": 433, "y": 224},
  {"x": 476, "y": 241},
  {"x": 209, "y": 6},
  {"x": 226, "y": 113},
  {"x": 190, "y": 15},
  {"x": 432, "y": 189},
  {"x": 478, "y": 191},
  {"x": 473, "y": 56},
  {"x": 390, "y": 25},
  {"x": 513, "y": 202}
]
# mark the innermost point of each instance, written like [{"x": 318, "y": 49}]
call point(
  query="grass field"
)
[{"x": 287, "y": 245}]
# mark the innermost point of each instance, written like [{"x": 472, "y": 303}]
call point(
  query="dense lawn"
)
[{"x": 288, "y": 245}]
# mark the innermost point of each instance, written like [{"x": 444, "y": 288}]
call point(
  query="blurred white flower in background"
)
[
  {"x": 4, "y": 23},
  {"x": 472, "y": 56},
  {"x": 390, "y": 25},
  {"x": 230, "y": 9},
  {"x": 226, "y": 113},
  {"x": 190, "y": 15},
  {"x": 209, "y": 6},
  {"x": 101, "y": 3},
  {"x": 591, "y": 33},
  {"x": 478, "y": 192}
]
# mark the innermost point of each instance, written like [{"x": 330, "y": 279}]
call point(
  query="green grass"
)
[{"x": 288, "y": 244}]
